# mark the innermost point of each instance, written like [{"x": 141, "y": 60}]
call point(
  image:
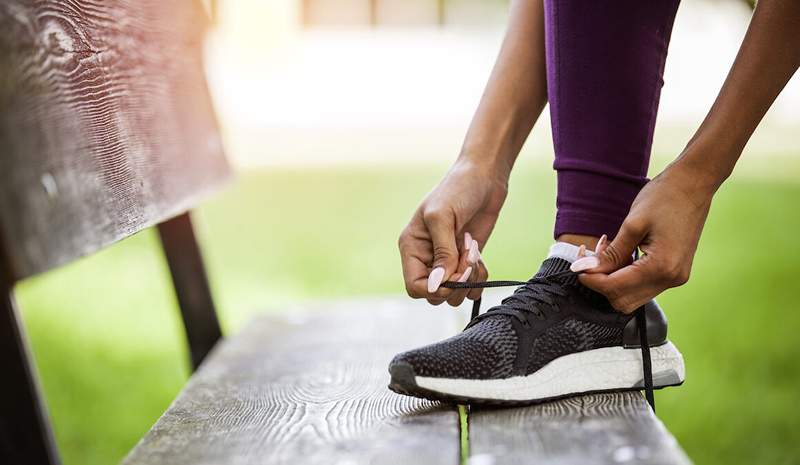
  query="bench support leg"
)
[
  {"x": 25, "y": 434},
  {"x": 191, "y": 286}
]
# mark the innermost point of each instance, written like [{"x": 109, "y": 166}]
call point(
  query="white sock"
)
[{"x": 566, "y": 251}]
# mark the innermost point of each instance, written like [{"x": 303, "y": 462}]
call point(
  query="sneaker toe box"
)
[{"x": 484, "y": 351}]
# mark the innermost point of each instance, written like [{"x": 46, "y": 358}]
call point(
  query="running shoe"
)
[{"x": 553, "y": 338}]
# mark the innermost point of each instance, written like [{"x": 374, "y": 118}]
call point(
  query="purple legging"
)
[{"x": 605, "y": 64}]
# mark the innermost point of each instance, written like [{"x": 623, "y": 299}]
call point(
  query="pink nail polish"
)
[
  {"x": 585, "y": 263},
  {"x": 474, "y": 253},
  {"x": 601, "y": 244},
  {"x": 464, "y": 277},
  {"x": 467, "y": 240},
  {"x": 435, "y": 279}
]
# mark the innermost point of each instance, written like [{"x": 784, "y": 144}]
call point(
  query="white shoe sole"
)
[{"x": 605, "y": 369}]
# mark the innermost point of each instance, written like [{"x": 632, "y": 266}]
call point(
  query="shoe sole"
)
[{"x": 608, "y": 369}]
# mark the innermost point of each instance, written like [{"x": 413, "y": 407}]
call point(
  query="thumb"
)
[
  {"x": 616, "y": 254},
  {"x": 620, "y": 251},
  {"x": 441, "y": 227}
]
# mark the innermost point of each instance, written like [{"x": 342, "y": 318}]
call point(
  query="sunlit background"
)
[
  {"x": 339, "y": 115},
  {"x": 317, "y": 84}
]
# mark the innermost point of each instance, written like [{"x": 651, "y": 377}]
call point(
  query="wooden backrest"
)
[{"x": 106, "y": 125}]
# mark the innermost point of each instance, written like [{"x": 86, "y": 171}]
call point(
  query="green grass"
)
[
  {"x": 463, "y": 432},
  {"x": 108, "y": 341}
]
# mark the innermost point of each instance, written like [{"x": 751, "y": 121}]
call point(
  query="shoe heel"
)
[{"x": 668, "y": 366}]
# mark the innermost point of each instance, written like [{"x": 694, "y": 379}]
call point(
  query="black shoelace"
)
[{"x": 548, "y": 287}]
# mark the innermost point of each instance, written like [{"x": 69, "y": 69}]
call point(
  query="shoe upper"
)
[{"x": 540, "y": 322}]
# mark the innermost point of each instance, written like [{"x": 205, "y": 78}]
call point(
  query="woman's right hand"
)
[{"x": 447, "y": 231}]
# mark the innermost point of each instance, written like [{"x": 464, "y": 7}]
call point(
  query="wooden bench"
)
[
  {"x": 106, "y": 128},
  {"x": 310, "y": 387}
]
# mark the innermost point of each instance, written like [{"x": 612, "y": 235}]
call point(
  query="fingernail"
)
[
  {"x": 585, "y": 263},
  {"x": 435, "y": 279},
  {"x": 581, "y": 250},
  {"x": 467, "y": 240},
  {"x": 474, "y": 253},
  {"x": 464, "y": 277},
  {"x": 601, "y": 244}
]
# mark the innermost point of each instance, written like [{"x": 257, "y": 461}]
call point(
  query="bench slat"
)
[
  {"x": 310, "y": 388},
  {"x": 594, "y": 429}
]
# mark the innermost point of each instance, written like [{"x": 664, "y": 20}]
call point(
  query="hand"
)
[
  {"x": 665, "y": 222},
  {"x": 447, "y": 231}
]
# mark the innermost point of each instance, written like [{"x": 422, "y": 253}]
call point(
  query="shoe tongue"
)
[
  {"x": 551, "y": 266},
  {"x": 554, "y": 265}
]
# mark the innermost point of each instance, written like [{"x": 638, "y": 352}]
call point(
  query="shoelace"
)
[{"x": 524, "y": 296}]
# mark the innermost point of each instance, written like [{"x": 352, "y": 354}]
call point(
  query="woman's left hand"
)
[{"x": 665, "y": 222}]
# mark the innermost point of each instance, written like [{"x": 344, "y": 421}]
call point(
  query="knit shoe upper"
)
[{"x": 540, "y": 322}]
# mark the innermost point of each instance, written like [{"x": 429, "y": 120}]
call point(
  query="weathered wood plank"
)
[
  {"x": 594, "y": 429},
  {"x": 310, "y": 388},
  {"x": 106, "y": 125}
]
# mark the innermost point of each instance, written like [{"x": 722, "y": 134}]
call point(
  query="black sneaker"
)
[{"x": 552, "y": 338}]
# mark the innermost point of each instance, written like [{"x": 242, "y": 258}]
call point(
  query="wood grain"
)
[
  {"x": 594, "y": 429},
  {"x": 106, "y": 125},
  {"x": 310, "y": 388}
]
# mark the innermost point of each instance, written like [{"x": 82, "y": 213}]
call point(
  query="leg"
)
[
  {"x": 191, "y": 286},
  {"x": 605, "y": 61},
  {"x": 25, "y": 435}
]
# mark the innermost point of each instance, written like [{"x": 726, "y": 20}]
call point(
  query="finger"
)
[
  {"x": 468, "y": 258},
  {"x": 481, "y": 226},
  {"x": 627, "y": 288},
  {"x": 466, "y": 266},
  {"x": 481, "y": 275},
  {"x": 602, "y": 244},
  {"x": 440, "y": 224},
  {"x": 415, "y": 271},
  {"x": 619, "y": 252},
  {"x": 467, "y": 241},
  {"x": 616, "y": 254},
  {"x": 459, "y": 295}
]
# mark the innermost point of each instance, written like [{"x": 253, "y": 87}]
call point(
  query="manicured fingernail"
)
[
  {"x": 582, "y": 251},
  {"x": 601, "y": 244},
  {"x": 435, "y": 279},
  {"x": 464, "y": 277},
  {"x": 585, "y": 263},
  {"x": 474, "y": 253},
  {"x": 467, "y": 240}
]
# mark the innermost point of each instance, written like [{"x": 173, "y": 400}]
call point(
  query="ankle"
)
[{"x": 578, "y": 240}]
